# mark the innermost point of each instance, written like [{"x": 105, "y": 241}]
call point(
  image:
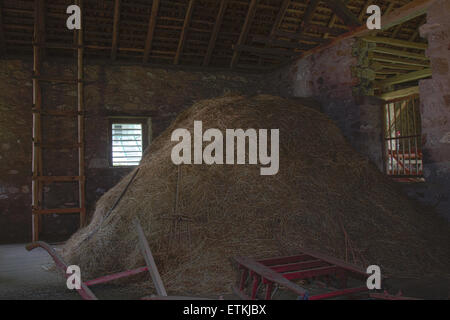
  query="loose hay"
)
[{"x": 325, "y": 197}]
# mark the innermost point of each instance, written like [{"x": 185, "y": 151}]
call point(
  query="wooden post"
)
[
  {"x": 149, "y": 260},
  {"x": 36, "y": 186},
  {"x": 80, "y": 108},
  {"x": 2, "y": 32}
]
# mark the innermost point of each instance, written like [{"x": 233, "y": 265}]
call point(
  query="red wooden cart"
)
[{"x": 307, "y": 265}]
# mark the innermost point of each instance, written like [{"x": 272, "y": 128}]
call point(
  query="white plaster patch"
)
[{"x": 445, "y": 138}]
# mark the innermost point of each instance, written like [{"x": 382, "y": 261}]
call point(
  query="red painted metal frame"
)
[
  {"x": 306, "y": 265},
  {"x": 84, "y": 292},
  {"x": 116, "y": 276},
  {"x": 387, "y": 296}
]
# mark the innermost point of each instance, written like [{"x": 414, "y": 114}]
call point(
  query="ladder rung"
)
[
  {"x": 58, "y": 211},
  {"x": 58, "y": 80},
  {"x": 52, "y": 45},
  {"x": 56, "y": 113},
  {"x": 58, "y": 178},
  {"x": 58, "y": 146}
]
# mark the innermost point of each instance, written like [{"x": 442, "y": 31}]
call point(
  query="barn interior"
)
[{"x": 85, "y": 143}]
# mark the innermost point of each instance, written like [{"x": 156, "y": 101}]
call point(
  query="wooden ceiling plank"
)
[
  {"x": 296, "y": 36},
  {"x": 244, "y": 32},
  {"x": 215, "y": 32},
  {"x": 151, "y": 29},
  {"x": 394, "y": 59},
  {"x": 344, "y": 13},
  {"x": 399, "y": 53},
  {"x": 115, "y": 38},
  {"x": 187, "y": 22},
  {"x": 416, "y": 75},
  {"x": 396, "y": 42},
  {"x": 363, "y": 12},
  {"x": 282, "y": 43}
]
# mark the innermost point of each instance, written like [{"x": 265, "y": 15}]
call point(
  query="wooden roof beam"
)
[
  {"x": 277, "y": 23},
  {"x": 187, "y": 22},
  {"x": 215, "y": 32},
  {"x": 115, "y": 38},
  {"x": 244, "y": 32},
  {"x": 39, "y": 25},
  {"x": 344, "y": 13},
  {"x": 307, "y": 17},
  {"x": 332, "y": 21},
  {"x": 280, "y": 16},
  {"x": 151, "y": 29},
  {"x": 2, "y": 32},
  {"x": 416, "y": 75},
  {"x": 265, "y": 51},
  {"x": 407, "y": 12}
]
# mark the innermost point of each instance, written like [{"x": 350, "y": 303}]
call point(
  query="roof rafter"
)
[
  {"x": 280, "y": 16},
  {"x": 151, "y": 29},
  {"x": 276, "y": 25},
  {"x": 187, "y": 22},
  {"x": 39, "y": 25},
  {"x": 333, "y": 21},
  {"x": 215, "y": 32},
  {"x": 344, "y": 13},
  {"x": 2, "y": 32},
  {"x": 244, "y": 32},
  {"x": 307, "y": 17},
  {"x": 407, "y": 12},
  {"x": 115, "y": 29}
]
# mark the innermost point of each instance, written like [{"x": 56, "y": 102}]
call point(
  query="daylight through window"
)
[{"x": 126, "y": 144}]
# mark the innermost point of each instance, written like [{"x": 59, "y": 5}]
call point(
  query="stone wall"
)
[
  {"x": 435, "y": 111},
  {"x": 114, "y": 91},
  {"x": 327, "y": 77}
]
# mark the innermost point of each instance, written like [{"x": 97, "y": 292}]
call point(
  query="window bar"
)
[
  {"x": 409, "y": 133},
  {"x": 395, "y": 140},
  {"x": 389, "y": 140},
  {"x": 415, "y": 134},
  {"x": 403, "y": 132}
]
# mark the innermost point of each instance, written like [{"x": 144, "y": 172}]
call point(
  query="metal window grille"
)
[
  {"x": 127, "y": 142},
  {"x": 403, "y": 137}
]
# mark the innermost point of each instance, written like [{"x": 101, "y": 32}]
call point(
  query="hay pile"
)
[{"x": 325, "y": 197}]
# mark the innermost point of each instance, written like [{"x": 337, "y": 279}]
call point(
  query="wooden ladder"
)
[{"x": 38, "y": 178}]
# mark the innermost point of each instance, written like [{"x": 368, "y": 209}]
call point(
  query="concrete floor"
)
[{"x": 24, "y": 276}]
